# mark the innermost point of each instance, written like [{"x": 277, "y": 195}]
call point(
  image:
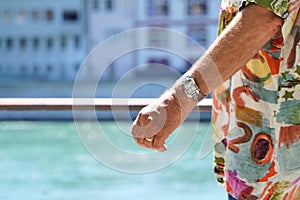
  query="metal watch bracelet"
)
[{"x": 191, "y": 89}]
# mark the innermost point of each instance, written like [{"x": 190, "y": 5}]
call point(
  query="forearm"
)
[{"x": 251, "y": 29}]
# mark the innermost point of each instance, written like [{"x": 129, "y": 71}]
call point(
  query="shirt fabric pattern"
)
[{"x": 256, "y": 114}]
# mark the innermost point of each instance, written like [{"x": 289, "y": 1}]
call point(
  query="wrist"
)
[
  {"x": 200, "y": 82},
  {"x": 191, "y": 89},
  {"x": 180, "y": 98}
]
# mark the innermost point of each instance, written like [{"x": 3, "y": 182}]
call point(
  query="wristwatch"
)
[{"x": 191, "y": 89}]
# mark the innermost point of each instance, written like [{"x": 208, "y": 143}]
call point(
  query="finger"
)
[
  {"x": 140, "y": 142},
  {"x": 146, "y": 144},
  {"x": 135, "y": 130},
  {"x": 164, "y": 148},
  {"x": 152, "y": 144},
  {"x": 138, "y": 131},
  {"x": 138, "y": 128},
  {"x": 160, "y": 143},
  {"x": 148, "y": 141}
]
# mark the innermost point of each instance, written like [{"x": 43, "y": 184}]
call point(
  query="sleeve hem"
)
[{"x": 278, "y": 7}]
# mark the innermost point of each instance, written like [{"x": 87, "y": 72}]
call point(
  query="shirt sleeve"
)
[{"x": 279, "y": 7}]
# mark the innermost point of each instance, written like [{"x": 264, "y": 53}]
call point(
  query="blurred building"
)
[
  {"x": 42, "y": 39},
  {"x": 49, "y": 40},
  {"x": 106, "y": 18},
  {"x": 196, "y": 19}
]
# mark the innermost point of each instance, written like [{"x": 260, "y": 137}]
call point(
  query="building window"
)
[
  {"x": 197, "y": 7},
  {"x": 23, "y": 70},
  {"x": 197, "y": 33},
  {"x": 22, "y": 43},
  {"x": 35, "y": 43},
  {"x": 49, "y": 43},
  {"x": 158, "y": 7},
  {"x": 49, "y": 68},
  {"x": 49, "y": 15},
  {"x": 96, "y": 5},
  {"x": 63, "y": 42},
  {"x": 35, "y": 69},
  {"x": 70, "y": 15},
  {"x": 76, "y": 67},
  {"x": 9, "y": 43},
  {"x": 21, "y": 16},
  {"x": 162, "y": 61},
  {"x": 7, "y": 16},
  {"x": 77, "y": 41},
  {"x": 158, "y": 37},
  {"x": 109, "y": 5},
  {"x": 35, "y": 15}
]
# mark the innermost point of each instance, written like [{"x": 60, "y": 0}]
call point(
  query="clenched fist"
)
[{"x": 157, "y": 121}]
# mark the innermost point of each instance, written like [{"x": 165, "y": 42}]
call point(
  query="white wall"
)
[{"x": 104, "y": 23}]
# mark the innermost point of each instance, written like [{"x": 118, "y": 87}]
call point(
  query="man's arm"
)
[{"x": 251, "y": 29}]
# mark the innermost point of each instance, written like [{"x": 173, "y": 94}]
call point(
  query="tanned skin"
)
[{"x": 249, "y": 31}]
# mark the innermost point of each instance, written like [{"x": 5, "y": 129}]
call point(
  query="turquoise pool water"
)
[{"x": 46, "y": 160}]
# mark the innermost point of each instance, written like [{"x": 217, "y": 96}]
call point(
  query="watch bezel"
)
[{"x": 191, "y": 89}]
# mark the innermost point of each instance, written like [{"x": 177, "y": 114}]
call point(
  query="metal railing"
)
[{"x": 99, "y": 104}]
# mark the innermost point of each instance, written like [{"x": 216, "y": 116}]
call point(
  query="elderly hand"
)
[{"x": 156, "y": 122}]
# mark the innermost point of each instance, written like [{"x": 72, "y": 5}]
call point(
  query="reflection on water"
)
[{"x": 46, "y": 160}]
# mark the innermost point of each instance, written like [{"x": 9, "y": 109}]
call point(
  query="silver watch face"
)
[
  {"x": 191, "y": 89},
  {"x": 189, "y": 84}
]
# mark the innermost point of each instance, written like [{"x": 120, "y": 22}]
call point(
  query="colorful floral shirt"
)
[{"x": 256, "y": 114}]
